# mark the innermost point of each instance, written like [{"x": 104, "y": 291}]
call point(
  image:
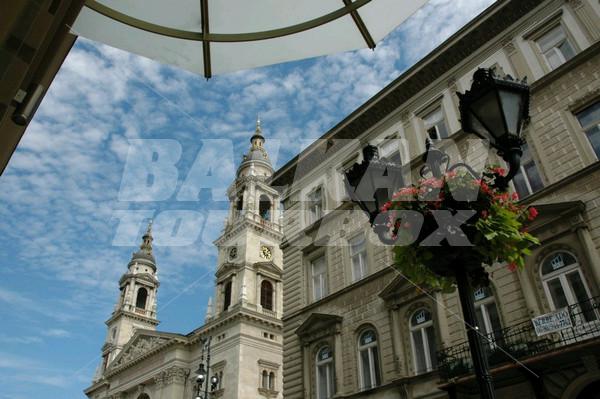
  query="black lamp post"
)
[
  {"x": 202, "y": 373},
  {"x": 496, "y": 109}
]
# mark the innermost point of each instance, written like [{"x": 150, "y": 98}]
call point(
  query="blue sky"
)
[{"x": 62, "y": 249}]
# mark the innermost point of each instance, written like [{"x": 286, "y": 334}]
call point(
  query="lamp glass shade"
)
[
  {"x": 487, "y": 111},
  {"x": 200, "y": 374},
  {"x": 512, "y": 104},
  {"x": 214, "y": 380}
]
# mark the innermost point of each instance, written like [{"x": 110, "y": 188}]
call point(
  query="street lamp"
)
[
  {"x": 202, "y": 373},
  {"x": 497, "y": 110}
]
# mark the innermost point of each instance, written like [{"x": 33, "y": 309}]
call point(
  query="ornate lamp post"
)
[
  {"x": 202, "y": 374},
  {"x": 496, "y": 109}
]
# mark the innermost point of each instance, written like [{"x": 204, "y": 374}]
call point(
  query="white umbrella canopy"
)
[{"x": 220, "y": 36}]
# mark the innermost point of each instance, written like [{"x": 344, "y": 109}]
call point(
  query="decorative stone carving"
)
[
  {"x": 509, "y": 46},
  {"x": 175, "y": 375},
  {"x": 138, "y": 349}
]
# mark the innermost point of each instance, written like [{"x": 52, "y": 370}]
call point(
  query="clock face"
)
[
  {"x": 233, "y": 253},
  {"x": 265, "y": 252}
]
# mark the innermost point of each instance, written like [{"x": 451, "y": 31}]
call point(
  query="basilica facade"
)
[{"x": 243, "y": 323}]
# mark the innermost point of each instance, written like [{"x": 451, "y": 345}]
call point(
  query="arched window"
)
[
  {"x": 422, "y": 337},
  {"x": 488, "y": 318},
  {"x": 140, "y": 301},
  {"x": 266, "y": 295},
  {"x": 324, "y": 371},
  {"x": 264, "y": 207},
  {"x": 227, "y": 295},
  {"x": 368, "y": 353},
  {"x": 564, "y": 283},
  {"x": 272, "y": 381},
  {"x": 265, "y": 380}
]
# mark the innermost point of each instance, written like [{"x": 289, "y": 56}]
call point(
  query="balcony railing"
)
[{"x": 521, "y": 341}]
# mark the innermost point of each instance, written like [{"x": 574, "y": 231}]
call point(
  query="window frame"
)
[
  {"x": 374, "y": 364},
  {"x": 268, "y": 300},
  {"x": 363, "y": 256},
  {"x": 314, "y": 216},
  {"x": 438, "y": 106},
  {"x": 576, "y": 113},
  {"x": 324, "y": 281},
  {"x": 421, "y": 328},
  {"x": 561, "y": 274},
  {"x": 527, "y": 159},
  {"x": 329, "y": 365},
  {"x": 483, "y": 306},
  {"x": 549, "y": 28}
]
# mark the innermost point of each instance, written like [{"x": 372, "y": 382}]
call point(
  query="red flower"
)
[
  {"x": 515, "y": 196},
  {"x": 499, "y": 171},
  {"x": 532, "y": 213},
  {"x": 484, "y": 214},
  {"x": 512, "y": 266}
]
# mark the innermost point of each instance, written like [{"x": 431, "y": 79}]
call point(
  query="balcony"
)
[{"x": 521, "y": 341}]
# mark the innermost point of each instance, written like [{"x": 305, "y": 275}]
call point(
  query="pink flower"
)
[
  {"x": 484, "y": 214},
  {"x": 532, "y": 213},
  {"x": 515, "y": 196}
]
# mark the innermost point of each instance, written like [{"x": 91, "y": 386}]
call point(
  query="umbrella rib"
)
[
  {"x": 360, "y": 24},
  {"x": 222, "y": 37},
  {"x": 205, "y": 42}
]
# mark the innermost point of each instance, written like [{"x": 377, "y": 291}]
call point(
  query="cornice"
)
[{"x": 132, "y": 315}]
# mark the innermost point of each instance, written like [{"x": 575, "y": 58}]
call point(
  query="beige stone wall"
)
[{"x": 569, "y": 170}]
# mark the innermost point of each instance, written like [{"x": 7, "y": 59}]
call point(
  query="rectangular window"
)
[
  {"x": 358, "y": 255},
  {"x": 390, "y": 150},
  {"x": 435, "y": 124},
  {"x": 589, "y": 119},
  {"x": 319, "y": 278},
  {"x": 555, "y": 47},
  {"x": 315, "y": 205},
  {"x": 528, "y": 180}
]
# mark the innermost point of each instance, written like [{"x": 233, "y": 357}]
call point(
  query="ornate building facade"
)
[
  {"x": 354, "y": 327},
  {"x": 244, "y": 321}
]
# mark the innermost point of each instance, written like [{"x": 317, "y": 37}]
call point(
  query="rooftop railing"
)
[{"x": 521, "y": 341}]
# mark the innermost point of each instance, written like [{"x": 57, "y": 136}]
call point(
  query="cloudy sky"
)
[{"x": 70, "y": 204}]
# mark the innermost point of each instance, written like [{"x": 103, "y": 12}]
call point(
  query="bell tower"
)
[
  {"x": 249, "y": 261},
  {"x": 136, "y": 305}
]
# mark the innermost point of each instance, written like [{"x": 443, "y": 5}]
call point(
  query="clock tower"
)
[{"x": 249, "y": 259}]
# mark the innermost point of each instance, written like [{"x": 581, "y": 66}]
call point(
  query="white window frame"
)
[
  {"x": 430, "y": 122},
  {"x": 322, "y": 280},
  {"x": 586, "y": 128},
  {"x": 392, "y": 142},
  {"x": 561, "y": 274},
  {"x": 360, "y": 257},
  {"x": 522, "y": 172},
  {"x": 370, "y": 347},
  {"x": 555, "y": 47},
  {"x": 328, "y": 364},
  {"x": 484, "y": 304},
  {"x": 314, "y": 207},
  {"x": 421, "y": 329}
]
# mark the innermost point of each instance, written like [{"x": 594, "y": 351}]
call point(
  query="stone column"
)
[
  {"x": 306, "y": 369},
  {"x": 338, "y": 361},
  {"x": 529, "y": 293},
  {"x": 398, "y": 348},
  {"x": 258, "y": 296},
  {"x": 442, "y": 320},
  {"x": 591, "y": 253}
]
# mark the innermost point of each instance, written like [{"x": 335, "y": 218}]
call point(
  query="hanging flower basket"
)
[{"x": 457, "y": 221}]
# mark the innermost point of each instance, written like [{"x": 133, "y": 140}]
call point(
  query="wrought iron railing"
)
[{"x": 521, "y": 341}]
